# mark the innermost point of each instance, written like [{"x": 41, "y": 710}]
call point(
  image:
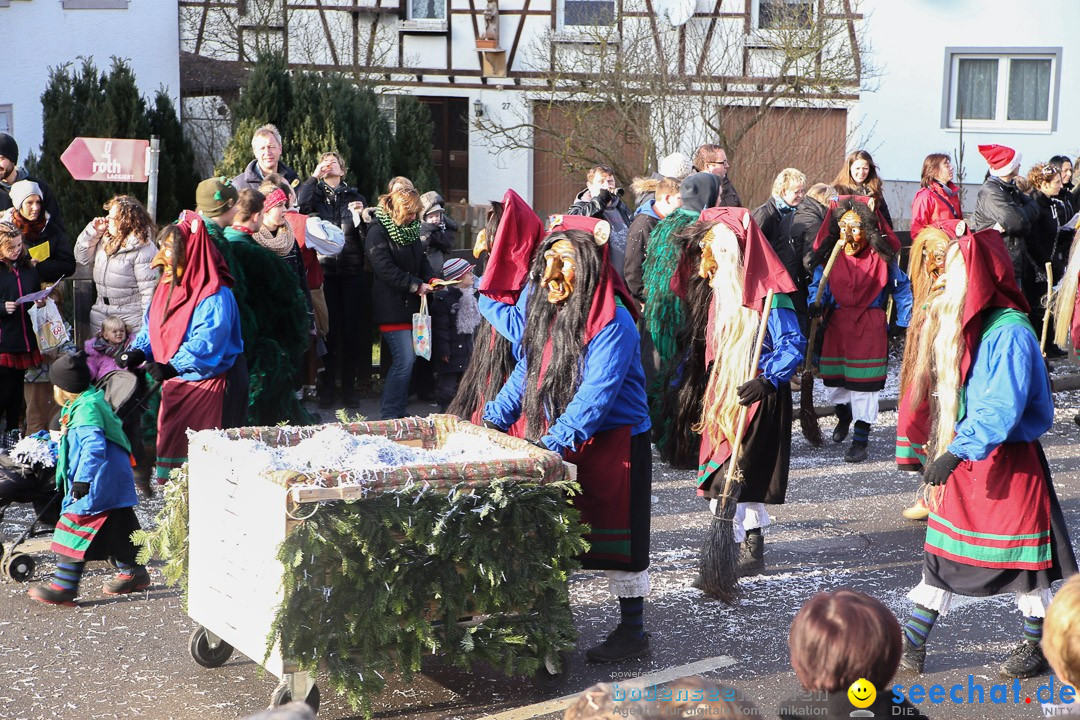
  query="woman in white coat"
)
[{"x": 120, "y": 248}]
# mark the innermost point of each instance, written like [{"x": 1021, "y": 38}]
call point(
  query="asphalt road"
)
[{"x": 128, "y": 657}]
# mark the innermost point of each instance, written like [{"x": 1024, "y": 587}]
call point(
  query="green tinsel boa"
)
[
  {"x": 401, "y": 234},
  {"x": 664, "y": 311}
]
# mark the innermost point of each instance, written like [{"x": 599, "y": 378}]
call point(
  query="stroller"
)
[{"x": 33, "y": 482}]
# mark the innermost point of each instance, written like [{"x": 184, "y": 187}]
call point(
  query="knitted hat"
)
[
  {"x": 430, "y": 202},
  {"x": 699, "y": 191},
  {"x": 71, "y": 373},
  {"x": 277, "y": 197},
  {"x": 9, "y": 148},
  {"x": 455, "y": 268},
  {"x": 676, "y": 165},
  {"x": 1003, "y": 161},
  {"x": 22, "y": 190},
  {"x": 215, "y": 196}
]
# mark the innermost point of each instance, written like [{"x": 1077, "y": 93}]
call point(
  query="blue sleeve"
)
[
  {"x": 826, "y": 297},
  {"x": 505, "y": 409},
  {"x": 785, "y": 348},
  {"x": 900, "y": 287},
  {"x": 213, "y": 336},
  {"x": 141, "y": 341},
  {"x": 88, "y": 463},
  {"x": 607, "y": 361},
  {"x": 1008, "y": 394},
  {"x": 508, "y": 320}
]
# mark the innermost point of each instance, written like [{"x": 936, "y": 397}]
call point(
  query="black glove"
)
[
  {"x": 897, "y": 332},
  {"x": 757, "y": 389},
  {"x": 816, "y": 310},
  {"x": 492, "y": 426},
  {"x": 604, "y": 197},
  {"x": 940, "y": 470},
  {"x": 80, "y": 490},
  {"x": 131, "y": 359},
  {"x": 161, "y": 371}
]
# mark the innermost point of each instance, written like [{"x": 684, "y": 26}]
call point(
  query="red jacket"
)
[
  {"x": 298, "y": 223},
  {"x": 934, "y": 203}
]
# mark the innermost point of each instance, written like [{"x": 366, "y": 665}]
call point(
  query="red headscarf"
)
[
  {"x": 205, "y": 272},
  {"x": 829, "y": 226},
  {"x": 991, "y": 282},
  {"x": 520, "y": 232},
  {"x": 602, "y": 310},
  {"x": 762, "y": 269}
]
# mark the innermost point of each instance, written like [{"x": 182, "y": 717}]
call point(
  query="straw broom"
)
[
  {"x": 720, "y": 554},
  {"x": 808, "y": 420}
]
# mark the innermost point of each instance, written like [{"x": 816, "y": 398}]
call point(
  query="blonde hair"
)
[
  {"x": 788, "y": 179},
  {"x": 821, "y": 192},
  {"x": 113, "y": 322},
  {"x": 1061, "y": 632},
  {"x": 921, "y": 286},
  {"x": 401, "y": 203},
  {"x": 1065, "y": 298},
  {"x": 63, "y": 397},
  {"x": 399, "y": 180},
  {"x": 267, "y": 130}
]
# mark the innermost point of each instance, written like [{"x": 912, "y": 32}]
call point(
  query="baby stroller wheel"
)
[
  {"x": 208, "y": 653},
  {"x": 553, "y": 672},
  {"x": 19, "y": 567},
  {"x": 283, "y": 696}
]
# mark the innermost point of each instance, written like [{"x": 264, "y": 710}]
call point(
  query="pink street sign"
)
[{"x": 106, "y": 159}]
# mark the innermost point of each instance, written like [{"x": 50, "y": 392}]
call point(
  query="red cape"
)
[
  {"x": 520, "y": 232},
  {"x": 205, "y": 272}
]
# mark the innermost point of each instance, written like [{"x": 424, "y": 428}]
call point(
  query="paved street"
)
[{"x": 128, "y": 658}]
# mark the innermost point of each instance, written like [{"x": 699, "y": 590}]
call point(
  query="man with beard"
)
[
  {"x": 855, "y": 350},
  {"x": 997, "y": 526},
  {"x": 580, "y": 390},
  {"x": 190, "y": 338},
  {"x": 742, "y": 267}
]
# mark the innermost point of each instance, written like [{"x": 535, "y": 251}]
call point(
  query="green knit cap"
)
[{"x": 215, "y": 196}]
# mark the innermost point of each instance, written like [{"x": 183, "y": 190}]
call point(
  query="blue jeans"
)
[{"x": 395, "y": 394}]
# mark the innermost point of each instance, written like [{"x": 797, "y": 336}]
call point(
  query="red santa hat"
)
[{"x": 1003, "y": 161}]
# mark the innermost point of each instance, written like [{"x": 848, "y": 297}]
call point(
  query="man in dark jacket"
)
[
  {"x": 10, "y": 174},
  {"x": 713, "y": 159},
  {"x": 1000, "y": 205},
  {"x": 326, "y": 195},
  {"x": 266, "y": 146},
  {"x": 601, "y": 199}
]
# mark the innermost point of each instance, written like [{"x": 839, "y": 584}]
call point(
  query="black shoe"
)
[
  {"x": 1053, "y": 352},
  {"x": 126, "y": 583},
  {"x": 752, "y": 555},
  {"x": 621, "y": 644},
  {"x": 912, "y": 658},
  {"x": 843, "y": 423},
  {"x": 1076, "y": 418},
  {"x": 1026, "y": 660},
  {"x": 856, "y": 453},
  {"x": 46, "y": 593}
]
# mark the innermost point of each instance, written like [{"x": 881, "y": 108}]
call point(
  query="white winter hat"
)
[{"x": 676, "y": 165}]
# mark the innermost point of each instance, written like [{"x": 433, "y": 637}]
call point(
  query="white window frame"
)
[
  {"x": 8, "y": 111},
  {"x": 433, "y": 25},
  {"x": 1001, "y": 123},
  {"x": 95, "y": 4},
  {"x": 581, "y": 31}
]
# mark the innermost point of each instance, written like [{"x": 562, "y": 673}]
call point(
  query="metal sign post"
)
[{"x": 152, "y": 157}]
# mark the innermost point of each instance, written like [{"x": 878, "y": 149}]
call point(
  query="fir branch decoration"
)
[
  {"x": 421, "y": 560},
  {"x": 169, "y": 540}
]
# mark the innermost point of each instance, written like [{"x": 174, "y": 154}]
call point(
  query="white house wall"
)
[
  {"x": 39, "y": 35},
  {"x": 901, "y": 121}
]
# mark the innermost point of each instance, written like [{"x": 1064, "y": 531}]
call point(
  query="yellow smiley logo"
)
[{"x": 862, "y": 693}]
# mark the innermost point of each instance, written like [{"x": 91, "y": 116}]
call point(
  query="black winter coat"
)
[
  {"x": 252, "y": 178},
  {"x": 776, "y": 226},
  {"x": 445, "y": 338},
  {"x": 1044, "y": 231},
  {"x": 1003, "y": 203},
  {"x": 809, "y": 217},
  {"x": 729, "y": 196},
  {"x": 399, "y": 270},
  {"x": 332, "y": 205},
  {"x": 61, "y": 260},
  {"x": 16, "y": 330},
  {"x": 637, "y": 247}
]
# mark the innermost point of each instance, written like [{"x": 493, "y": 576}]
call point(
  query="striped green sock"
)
[
  {"x": 919, "y": 624},
  {"x": 1033, "y": 627},
  {"x": 68, "y": 575}
]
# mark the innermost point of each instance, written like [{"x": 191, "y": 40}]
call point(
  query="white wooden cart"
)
[{"x": 237, "y": 523}]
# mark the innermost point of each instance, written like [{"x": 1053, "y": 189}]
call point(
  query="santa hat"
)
[{"x": 1003, "y": 161}]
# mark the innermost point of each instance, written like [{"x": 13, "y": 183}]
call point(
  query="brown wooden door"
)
[{"x": 450, "y": 145}]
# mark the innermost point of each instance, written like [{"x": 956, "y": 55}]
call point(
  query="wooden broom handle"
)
[
  {"x": 816, "y": 322},
  {"x": 740, "y": 428},
  {"x": 1046, "y": 313}
]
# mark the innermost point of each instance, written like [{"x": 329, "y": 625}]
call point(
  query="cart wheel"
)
[
  {"x": 19, "y": 567},
  {"x": 547, "y": 678},
  {"x": 207, "y": 655},
  {"x": 283, "y": 695}
]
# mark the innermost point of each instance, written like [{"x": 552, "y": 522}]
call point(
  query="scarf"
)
[
  {"x": 782, "y": 206},
  {"x": 468, "y": 314},
  {"x": 90, "y": 408},
  {"x": 281, "y": 243},
  {"x": 30, "y": 229},
  {"x": 401, "y": 234},
  {"x": 104, "y": 347}
]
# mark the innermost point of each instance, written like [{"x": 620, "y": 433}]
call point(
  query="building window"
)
[
  {"x": 1014, "y": 89},
  {"x": 586, "y": 13},
  {"x": 7, "y": 120},
  {"x": 777, "y": 14},
  {"x": 96, "y": 4},
  {"x": 427, "y": 10}
]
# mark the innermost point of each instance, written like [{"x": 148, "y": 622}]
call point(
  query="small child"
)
[
  {"x": 454, "y": 317},
  {"x": 103, "y": 349},
  {"x": 37, "y": 390},
  {"x": 93, "y": 472}
]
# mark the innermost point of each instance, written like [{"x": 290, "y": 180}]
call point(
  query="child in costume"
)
[{"x": 93, "y": 472}]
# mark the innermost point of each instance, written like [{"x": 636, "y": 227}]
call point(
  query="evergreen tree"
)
[
  {"x": 367, "y": 134},
  {"x": 177, "y": 177},
  {"x": 413, "y": 143},
  {"x": 267, "y": 97}
]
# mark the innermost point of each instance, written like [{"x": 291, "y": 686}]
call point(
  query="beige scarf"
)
[{"x": 281, "y": 243}]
